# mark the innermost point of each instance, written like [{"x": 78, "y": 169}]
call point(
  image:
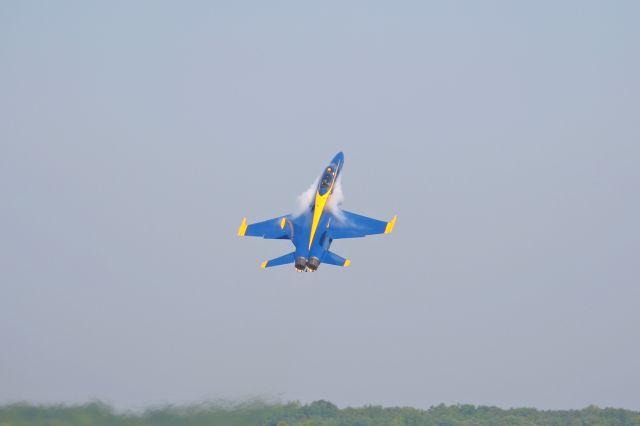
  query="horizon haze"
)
[{"x": 135, "y": 136}]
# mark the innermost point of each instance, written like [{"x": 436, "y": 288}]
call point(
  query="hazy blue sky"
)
[{"x": 134, "y": 136}]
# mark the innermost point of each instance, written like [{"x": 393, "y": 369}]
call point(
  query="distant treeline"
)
[{"x": 318, "y": 413}]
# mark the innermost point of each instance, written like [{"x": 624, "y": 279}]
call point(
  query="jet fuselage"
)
[{"x": 313, "y": 230}]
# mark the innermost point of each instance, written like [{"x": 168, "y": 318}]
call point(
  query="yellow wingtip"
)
[
  {"x": 243, "y": 228},
  {"x": 390, "y": 225},
  {"x": 347, "y": 263},
  {"x": 264, "y": 264}
]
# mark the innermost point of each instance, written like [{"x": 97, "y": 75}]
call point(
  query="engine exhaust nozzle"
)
[
  {"x": 313, "y": 263},
  {"x": 301, "y": 264}
]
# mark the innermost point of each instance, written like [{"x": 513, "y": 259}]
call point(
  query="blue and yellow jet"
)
[{"x": 313, "y": 231}]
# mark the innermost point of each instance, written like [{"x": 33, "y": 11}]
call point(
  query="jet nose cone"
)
[{"x": 338, "y": 159}]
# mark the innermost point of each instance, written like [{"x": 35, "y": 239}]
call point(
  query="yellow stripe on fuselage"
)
[{"x": 321, "y": 201}]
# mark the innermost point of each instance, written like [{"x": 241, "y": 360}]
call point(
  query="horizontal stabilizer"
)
[
  {"x": 331, "y": 258},
  {"x": 282, "y": 260}
]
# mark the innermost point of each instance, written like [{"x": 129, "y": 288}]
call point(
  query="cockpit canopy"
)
[{"x": 326, "y": 180}]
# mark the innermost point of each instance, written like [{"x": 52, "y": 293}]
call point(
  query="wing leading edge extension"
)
[{"x": 353, "y": 225}]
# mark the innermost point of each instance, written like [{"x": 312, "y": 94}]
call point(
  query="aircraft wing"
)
[
  {"x": 352, "y": 225},
  {"x": 277, "y": 228}
]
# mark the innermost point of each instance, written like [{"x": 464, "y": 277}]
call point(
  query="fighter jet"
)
[{"x": 313, "y": 230}]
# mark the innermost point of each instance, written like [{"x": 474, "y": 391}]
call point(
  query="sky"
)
[{"x": 135, "y": 136}]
